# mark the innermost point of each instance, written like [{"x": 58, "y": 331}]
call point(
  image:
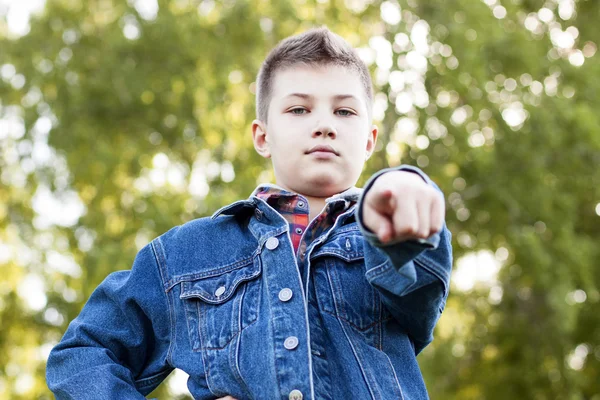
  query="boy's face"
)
[{"x": 319, "y": 133}]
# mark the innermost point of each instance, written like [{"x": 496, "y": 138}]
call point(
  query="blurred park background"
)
[{"x": 122, "y": 118}]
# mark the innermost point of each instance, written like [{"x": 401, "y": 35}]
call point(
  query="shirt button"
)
[
  {"x": 285, "y": 294},
  {"x": 220, "y": 291},
  {"x": 298, "y": 231},
  {"x": 300, "y": 204},
  {"x": 296, "y": 395},
  {"x": 291, "y": 343},
  {"x": 272, "y": 243}
]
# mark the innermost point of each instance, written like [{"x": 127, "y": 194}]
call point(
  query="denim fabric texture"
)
[{"x": 226, "y": 300}]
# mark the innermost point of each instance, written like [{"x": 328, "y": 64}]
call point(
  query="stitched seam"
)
[
  {"x": 162, "y": 265},
  {"x": 269, "y": 295},
  {"x": 395, "y": 376},
  {"x": 208, "y": 375},
  {"x": 306, "y": 296},
  {"x": 381, "y": 269},
  {"x": 351, "y": 344},
  {"x": 199, "y": 325},
  {"x": 205, "y": 296},
  {"x": 234, "y": 356},
  {"x": 382, "y": 327},
  {"x": 357, "y": 360},
  {"x": 433, "y": 271},
  {"x": 209, "y": 274},
  {"x": 332, "y": 275},
  {"x": 341, "y": 231},
  {"x": 173, "y": 322},
  {"x": 187, "y": 322}
]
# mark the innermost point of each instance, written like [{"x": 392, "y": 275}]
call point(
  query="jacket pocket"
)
[
  {"x": 221, "y": 304},
  {"x": 341, "y": 285}
]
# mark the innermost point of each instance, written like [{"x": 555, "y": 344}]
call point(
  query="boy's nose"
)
[{"x": 325, "y": 130}]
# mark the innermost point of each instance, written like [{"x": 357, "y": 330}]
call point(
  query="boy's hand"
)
[{"x": 401, "y": 206}]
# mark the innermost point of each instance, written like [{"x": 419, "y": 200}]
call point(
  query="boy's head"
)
[
  {"x": 314, "y": 107},
  {"x": 316, "y": 47}
]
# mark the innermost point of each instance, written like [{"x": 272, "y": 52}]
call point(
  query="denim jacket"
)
[{"x": 223, "y": 299}]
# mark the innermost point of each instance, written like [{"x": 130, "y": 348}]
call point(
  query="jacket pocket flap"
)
[
  {"x": 218, "y": 288},
  {"x": 347, "y": 247}
]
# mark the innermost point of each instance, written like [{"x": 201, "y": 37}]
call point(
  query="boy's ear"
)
[
  {"x": 259, "y": 137},
  {"x": 372, "y": 139}
]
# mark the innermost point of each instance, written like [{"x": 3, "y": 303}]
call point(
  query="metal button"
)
[
  {"x": 272, "y": 243},
  {"x": 291, "y": 343},
  {"x": 220, "y": 291},
  {"x": 298, "y": 231},
  {"x": 296, "y": 395},
  {"x": 285, "y": 294},
  {"x": 300, "y": 204}
]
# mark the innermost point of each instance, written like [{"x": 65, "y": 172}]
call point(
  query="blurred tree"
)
[{"x": 120, "y": 119}]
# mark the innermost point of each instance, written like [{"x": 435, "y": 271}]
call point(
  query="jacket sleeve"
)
[
  {"x": 118, "y": 346},
  {"x": 413, "y": 276}
]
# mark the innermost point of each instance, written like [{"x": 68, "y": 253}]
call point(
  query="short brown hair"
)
[{"x": 318, "y": 46}]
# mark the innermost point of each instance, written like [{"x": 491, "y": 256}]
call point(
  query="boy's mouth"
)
[{"x": 323, "y": 149}]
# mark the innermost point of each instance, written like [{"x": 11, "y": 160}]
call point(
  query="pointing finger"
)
[
  {"x": 381, "y": 201},
  {"x": 378, "y": 223}
]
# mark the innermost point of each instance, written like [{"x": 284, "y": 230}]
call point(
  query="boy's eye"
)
[
  {"x": 345, "y": 113},
  {"x": 298, "y": 111}
]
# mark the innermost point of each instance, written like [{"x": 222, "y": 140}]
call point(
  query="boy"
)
[{"x": 310, "y": 289}]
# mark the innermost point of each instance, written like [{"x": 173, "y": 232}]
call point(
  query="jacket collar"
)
[{"x": 348, "y": 196}]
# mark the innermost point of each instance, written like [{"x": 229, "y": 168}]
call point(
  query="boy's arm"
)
[
  {"x": 118, "y": 346},
  {"x": 409, "y": 258}
]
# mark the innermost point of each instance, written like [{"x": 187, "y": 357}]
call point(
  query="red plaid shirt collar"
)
[{"x": 295, "y": 209}]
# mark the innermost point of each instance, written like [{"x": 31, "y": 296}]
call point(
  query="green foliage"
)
[{"x": 147, "y": 121}]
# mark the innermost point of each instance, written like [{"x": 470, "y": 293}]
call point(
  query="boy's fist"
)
[{"x": 401, "y": 206}]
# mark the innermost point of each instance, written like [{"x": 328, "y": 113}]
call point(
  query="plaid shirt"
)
[{"x": 295, "y": 209}]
